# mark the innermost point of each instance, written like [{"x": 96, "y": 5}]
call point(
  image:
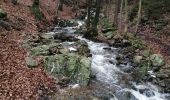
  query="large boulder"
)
[
  {"x": 3, "y": 14},
  {"x": 157, "y": 60},
  {"x": 40, "y": 50},
  {"x": 137, "y": 59},
  {"x": 69, "y": 66},
  {"x": 58, "y": 49},
  {"x": 64, "y": 37},
  {"x": 83, "y": 48},
  {"x": 31, "y": 62}
]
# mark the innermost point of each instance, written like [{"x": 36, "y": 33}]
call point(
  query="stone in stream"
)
[
  {"x": 64, "y": 37},
  {"x": 75, "y": 67},
  {"x": 83, "y": 48},
  {"x": 126, "y": 95}
]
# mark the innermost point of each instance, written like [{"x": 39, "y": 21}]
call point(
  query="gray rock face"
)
[{"x": 74, "y": 68}]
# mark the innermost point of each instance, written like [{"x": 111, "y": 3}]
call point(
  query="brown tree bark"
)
[
  {"x": 116, "y": 12},
  {"x": 139, "y": 17},
  {"x": 126, "y": 16},
  {"x": 96, "y": 18}
]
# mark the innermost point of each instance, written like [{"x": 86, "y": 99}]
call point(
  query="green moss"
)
[
  {"x": 40, "y": 50},
  {"x": 2, "y": 13},
  {"x": 36, "y": 11},
  {"x": 76, "y": 68}
]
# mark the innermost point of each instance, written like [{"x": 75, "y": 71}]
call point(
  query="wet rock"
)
[
  {"x": 6, "y": 25},
  {"x": 118, "y": 41},
  {"x": 107, "y": 30},
  {"x": 77, "y": 68},
  {"x": 146, "y": 53},
  {"x": 67, "y": 23},
  {"x": 137, "y": 59},
  {"x": 157, "y": 60},
  {"x": 126, "y": 95},
  {"x": 58, "y": 49},
  {"x": 31, "y": 62},
  {"x": 107, "y": 48},
  {"x": 14, "y": 2},
  {"x": 141, "y": 72},
  {"x": 126, "y": 43},
  {"x": 83, "y": 48},
  {"x": 147, "y": 92},
  {"x": 3, "y": 14},
  {"x": 64, "y": 81},
  {"x": 64, "y": 37},
  {"x": 40, "y": 50},
  {"x": 120, "y": 59},
  {"x": 46, "y": 36}
]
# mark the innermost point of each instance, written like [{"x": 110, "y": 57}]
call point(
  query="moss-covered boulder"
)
[
  {"x": 40, "y": 50},
  {"x": 157, "y": 60},
  {"x": 82, "y": 48},
  {"x": 75, "y": 67},
  {"x": 58, "y": 49},
  {"x": 3, "y": 14},
  {"x": 31, "y": 63},
  {"x": 137, "y": 59}
]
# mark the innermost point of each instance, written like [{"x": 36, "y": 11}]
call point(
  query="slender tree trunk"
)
[
  {"x": 106, "y": 9},
  {"x": 96, "y": 18},
  {"x": 121, "y": 13},
  {"x": 126, "y": 16},
  {"x": 139, "y": 17},
  {"x": 88, "y": 14},
  {"x": 61, "y": 5},
  {"x": 58, "y": 4},
  {"x": 116, "y": 12}
]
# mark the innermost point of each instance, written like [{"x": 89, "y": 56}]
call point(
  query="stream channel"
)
[{"x": 111, "y": 82}]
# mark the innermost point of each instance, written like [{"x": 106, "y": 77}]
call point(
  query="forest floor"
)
[
  {"x": 17, "y": 81},
  {"x": 159, "y": 43}
]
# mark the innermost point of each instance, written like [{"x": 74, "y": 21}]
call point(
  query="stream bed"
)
[{"x": 110, "y": 81}]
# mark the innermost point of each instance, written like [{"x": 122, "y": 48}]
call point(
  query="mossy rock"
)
[
  {"x": 75, "y": 67},
  {"x": 31, "y": 62},
  {"x": 40, "y": 50},
  {"x": 3, "y": 14},
  {"x": 83, "y": 48},
  {"x": 137, "y": 59},
  {"x": 157, "y": 60},
  {"x": 146, "y": 53}
]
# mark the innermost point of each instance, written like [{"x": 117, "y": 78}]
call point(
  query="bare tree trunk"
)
[
  {"x": 116, "y": 12},
  {"x": 58, "y": 4},
  {"x": 126, "y": 16},
  {"x": 88, "y": 13},
  {"x": 121, "y": 13},
  {"x": 109, "y": 8},
  {"x": 139, "y": 17},
  {"x": 96, "y": 18},
  {"x": 106, "y": 8},
  {"x": 61, "y": 5}
]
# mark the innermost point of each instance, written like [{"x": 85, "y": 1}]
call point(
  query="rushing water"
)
[{"x": 109, "y": 76}]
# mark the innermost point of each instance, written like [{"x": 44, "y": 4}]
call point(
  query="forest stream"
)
[{"x": 111, "y": 81}]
